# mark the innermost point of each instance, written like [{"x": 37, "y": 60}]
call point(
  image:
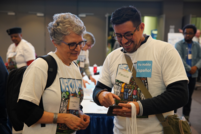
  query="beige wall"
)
[{"x": 34, "y": 28}]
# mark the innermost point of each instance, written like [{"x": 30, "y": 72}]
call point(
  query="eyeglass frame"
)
[
  {"x": 89, "y": 45},
  {"x": 75, "y": 43},
  {"x": 188, "y": 34},
  {"x": 115, "y": 37}
]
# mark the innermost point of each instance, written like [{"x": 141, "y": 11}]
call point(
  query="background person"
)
[
  {"x": 83, "y": 59},
  {"x": 5, "y": 126},
  {"x": 167, "y": 81},
  {"x": 190, "y": 53},
  {"x": 61, "y": 101},
  {"x": 196, "y": 38},
  {"x": 20, "y": 53}
]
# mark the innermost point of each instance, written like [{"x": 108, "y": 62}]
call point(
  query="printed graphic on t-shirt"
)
[
  {"x": 70, "y": 88},
  {"x": 129, "y": 92}
]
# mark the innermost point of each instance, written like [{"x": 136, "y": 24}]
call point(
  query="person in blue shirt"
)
[
  {"x": 190, "y": 53},
  {"x": 5, "y": 126}
]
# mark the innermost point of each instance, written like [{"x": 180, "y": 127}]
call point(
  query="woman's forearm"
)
[{"x": 48, "y": 118}]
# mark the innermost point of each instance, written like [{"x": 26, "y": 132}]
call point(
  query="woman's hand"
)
[
  {"x": 74, "y": 122},
  {"x": 86, "y": 119}
]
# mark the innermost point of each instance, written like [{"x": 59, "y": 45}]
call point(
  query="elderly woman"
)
[
  {"x": 61, "y": 101},
  {"x": 83, "y": 59}
]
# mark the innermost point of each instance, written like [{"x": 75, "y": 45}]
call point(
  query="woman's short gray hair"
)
[
  {"x": 63, "y": 24},
  {"x": 89, "y": 37}
]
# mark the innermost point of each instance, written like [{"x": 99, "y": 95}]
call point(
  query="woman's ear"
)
[{"x": 54, "y": 43}]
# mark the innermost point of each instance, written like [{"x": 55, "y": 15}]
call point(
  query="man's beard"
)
[
  {"x": 188, "y": 40},
  {"x": 136, "y": 45}
]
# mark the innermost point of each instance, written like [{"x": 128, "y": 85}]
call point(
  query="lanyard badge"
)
[
  {"x": 74, "y": 103},
  {"x": 124, "y": 75}
]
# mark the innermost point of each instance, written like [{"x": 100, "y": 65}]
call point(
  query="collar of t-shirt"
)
[{"x": 146, "y": 37}]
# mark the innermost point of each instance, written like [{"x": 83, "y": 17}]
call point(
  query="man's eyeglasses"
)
[
  {"x": 73, "y": 45},
  {"x": 188, "y": 33},
  {"x": 127, "y": 36}
]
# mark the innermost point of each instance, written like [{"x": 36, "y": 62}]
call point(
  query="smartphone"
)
[{"x": 110, "y": 110}]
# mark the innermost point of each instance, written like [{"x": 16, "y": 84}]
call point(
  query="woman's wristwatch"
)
[{"x": 55, "y": 117}]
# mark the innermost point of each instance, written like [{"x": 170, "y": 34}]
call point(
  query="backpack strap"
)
[
  {"x": 52, "y": 69},
  {"x": 51, "y": 75}
]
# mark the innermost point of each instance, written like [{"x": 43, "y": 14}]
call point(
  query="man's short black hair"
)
[
  {"x": 123, "y": 14},
  {"x": 190, "y": 26}
]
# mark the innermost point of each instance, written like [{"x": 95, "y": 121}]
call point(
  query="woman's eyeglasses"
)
[{"x": 73, "y": 45}]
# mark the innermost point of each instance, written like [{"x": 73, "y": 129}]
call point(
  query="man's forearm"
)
[{"x": 175, "y": 96}]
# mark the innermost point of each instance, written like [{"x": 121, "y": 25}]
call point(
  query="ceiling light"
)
[
  {"x": 82, "y": 15},
  {"x": 40, "y": 14},
  {"x": 11, "y": 13}
]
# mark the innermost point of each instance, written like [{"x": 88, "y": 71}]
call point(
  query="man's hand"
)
[
  {"x": 107, "y": 98},
  {"x": 193, "y": 70},
  {"x": 126, "y": 109},
  {"x": 85, "y": 82},
  {"x": 92, "y": 79}
]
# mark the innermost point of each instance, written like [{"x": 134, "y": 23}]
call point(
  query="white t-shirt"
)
[
  {"x": 167, "y": 67},
  {"x": 68, "y": 79},
  {"x": 23, "y": 52},
  {"x": 83, "y": 58}
]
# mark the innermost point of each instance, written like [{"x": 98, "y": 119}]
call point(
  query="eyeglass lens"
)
[{"x": 74, "y": 45}]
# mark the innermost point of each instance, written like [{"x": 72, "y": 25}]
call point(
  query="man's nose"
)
[
  {"x": 187, "y": 35},
  {"x": 124, "y": 40}
]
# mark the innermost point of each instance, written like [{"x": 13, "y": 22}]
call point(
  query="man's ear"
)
[{"x": 142, "y": 26}]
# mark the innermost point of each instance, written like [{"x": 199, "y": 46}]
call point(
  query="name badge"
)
[
  {"x": 124, "y": 76},
  {"x": 189, "y": 56},
  {"x": 74, "y": 103},
  {"x": 82, "y": 64},
  {"x": 144, "y": 69}
]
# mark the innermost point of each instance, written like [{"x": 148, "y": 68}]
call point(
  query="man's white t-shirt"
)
[
  {"x": 23, "y": 52},
  {"x": 68, "y": 79},
  {"x": 167, "y": 67}
]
